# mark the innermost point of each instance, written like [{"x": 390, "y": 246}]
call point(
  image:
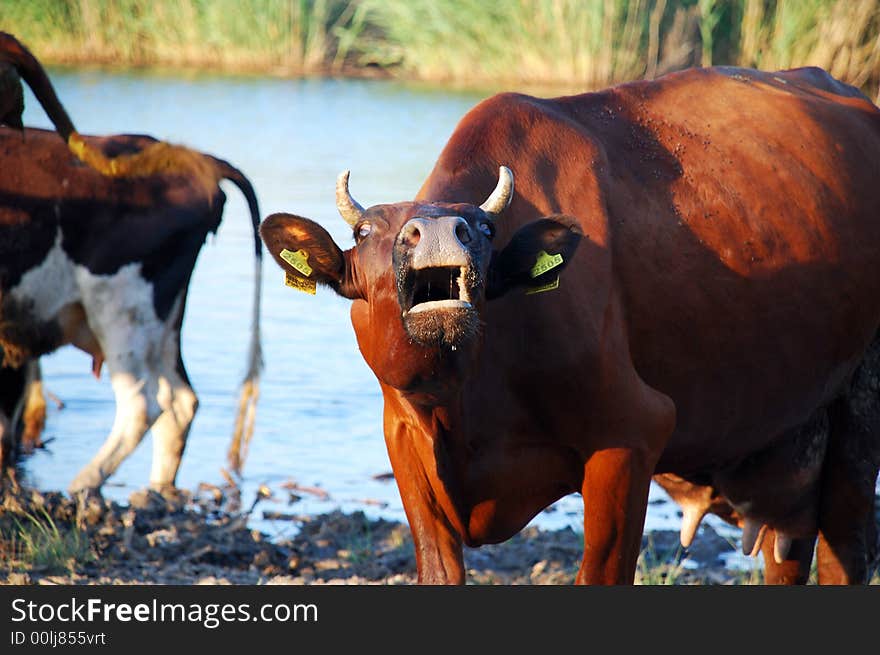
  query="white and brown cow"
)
[{"x": 100, "y": 256}]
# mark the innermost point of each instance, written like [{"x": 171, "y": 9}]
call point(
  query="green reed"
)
[
  {"x": 580, "y": 44},
  {"x": 290, "y": 36}
]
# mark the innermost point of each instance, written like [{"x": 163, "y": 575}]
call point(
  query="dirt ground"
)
[{"x": 202, "y": 537}]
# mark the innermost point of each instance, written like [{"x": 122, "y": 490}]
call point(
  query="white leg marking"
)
[
  {"x": 171, "y": 429},
  {"x": 135, "y": 409},
  {"x": 179, "y": 405}
]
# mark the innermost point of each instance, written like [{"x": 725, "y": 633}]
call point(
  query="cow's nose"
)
[
  {"x": 463, "y": 231},
  {"x": 410, "y": 235},
  {"x": 438, "y": 230},
  {"x": 440, "y": 241}
]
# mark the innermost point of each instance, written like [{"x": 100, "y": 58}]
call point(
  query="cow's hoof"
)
[
  {"x": 87, "y": 483},
  {"x": 176, "y": 498},
  {"x": 82, "y": 493},
  {"x": 90, "y": 506},
  {"x": 166, "y": 498},
  {"x": 147, "y": 500}
]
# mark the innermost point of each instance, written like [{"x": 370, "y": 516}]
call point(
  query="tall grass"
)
[
  {"x": 593, "y": 43},
  {"x": 38, "y": 542},
  {"x": 575, "y": 43},
  {"x": 841, "y": 36},
  {"x": 562, "y": 41},
  {"x": 295, "y": 36}
]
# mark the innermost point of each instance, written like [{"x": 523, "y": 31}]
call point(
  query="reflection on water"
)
[{"x": 319, "y": 415}]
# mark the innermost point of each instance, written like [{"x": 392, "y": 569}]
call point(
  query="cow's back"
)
[
  {"x": 44, "y": 189},
  {"x": 734, "y": 213},
  {"x": 57, "y": 213}
]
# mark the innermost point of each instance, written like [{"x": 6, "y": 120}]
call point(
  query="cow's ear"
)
[
  {"x": 535, "y": 256},
  {"x": 307, "y": 254}
]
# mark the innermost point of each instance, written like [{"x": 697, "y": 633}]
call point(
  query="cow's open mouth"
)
[
  {"x": 438, "y": 288},
  {"x": 436, "y": 304}
]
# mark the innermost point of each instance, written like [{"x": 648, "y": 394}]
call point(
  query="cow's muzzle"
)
[{"x": 438, "y": 280}]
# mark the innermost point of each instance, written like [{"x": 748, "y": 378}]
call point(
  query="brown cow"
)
[{"x": 715, "y": 321}]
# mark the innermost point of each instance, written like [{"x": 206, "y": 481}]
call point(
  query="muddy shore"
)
[{"x": 202, "y": 537}]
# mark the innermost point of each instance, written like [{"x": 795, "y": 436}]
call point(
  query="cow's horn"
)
[
  {"x": 348, "y": 207},
  {"x": 499, "y": 199}
]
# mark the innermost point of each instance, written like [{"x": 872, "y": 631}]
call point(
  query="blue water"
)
[{"x": 319, "y": 414}]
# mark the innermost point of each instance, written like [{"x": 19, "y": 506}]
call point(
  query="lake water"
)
[{"x": 319, "y": 414}]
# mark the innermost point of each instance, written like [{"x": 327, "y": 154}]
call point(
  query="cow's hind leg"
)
[
  {"x": 847, "y": 534},
  {"x": 170, "y": 431},
  {"x": 135, "y": 387},
  {"x": 847, "y": 523}
]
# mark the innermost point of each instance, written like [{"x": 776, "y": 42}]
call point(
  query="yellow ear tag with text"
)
[
  {"x": 299, "y": 283},
  {"x": 299, "y": 260},
  {"x": 544, "y": 287},
  {"x": 545, "y": 263}
]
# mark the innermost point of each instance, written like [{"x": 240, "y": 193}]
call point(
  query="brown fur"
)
[{"x": 155, "y": 159}]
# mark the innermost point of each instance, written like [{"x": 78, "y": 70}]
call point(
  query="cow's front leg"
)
[
  {"x": 438, "y": 544},
  {"x": 627, "y": 445},
  {"x": 615, "y": 490}
]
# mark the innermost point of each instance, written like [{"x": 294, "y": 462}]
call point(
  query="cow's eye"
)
[
  {"x": 488, "y": 229},
  {"x": 363, "y": 229}
]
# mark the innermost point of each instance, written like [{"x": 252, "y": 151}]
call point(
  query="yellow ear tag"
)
[
  {"x": 545, "y": 263},
  {"x": 299, "y": 260},
  {"x": 544, "y": 287},
  {"x": 299, "y": 283}
]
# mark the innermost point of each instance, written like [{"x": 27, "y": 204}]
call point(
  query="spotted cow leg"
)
[
  {"x": 795, "y": 568},
  {"x": 170, "y": 431},
  {"x": 136, "y": 389},
  {"x": 141, "y": 354}
]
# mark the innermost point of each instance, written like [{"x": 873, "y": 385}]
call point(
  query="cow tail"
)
[
  {"x": 250, "y": 386},
  {"x": 30, "y": 70}
]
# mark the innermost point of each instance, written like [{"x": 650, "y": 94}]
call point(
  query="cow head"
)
[{"x": 424, "y": 271}]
